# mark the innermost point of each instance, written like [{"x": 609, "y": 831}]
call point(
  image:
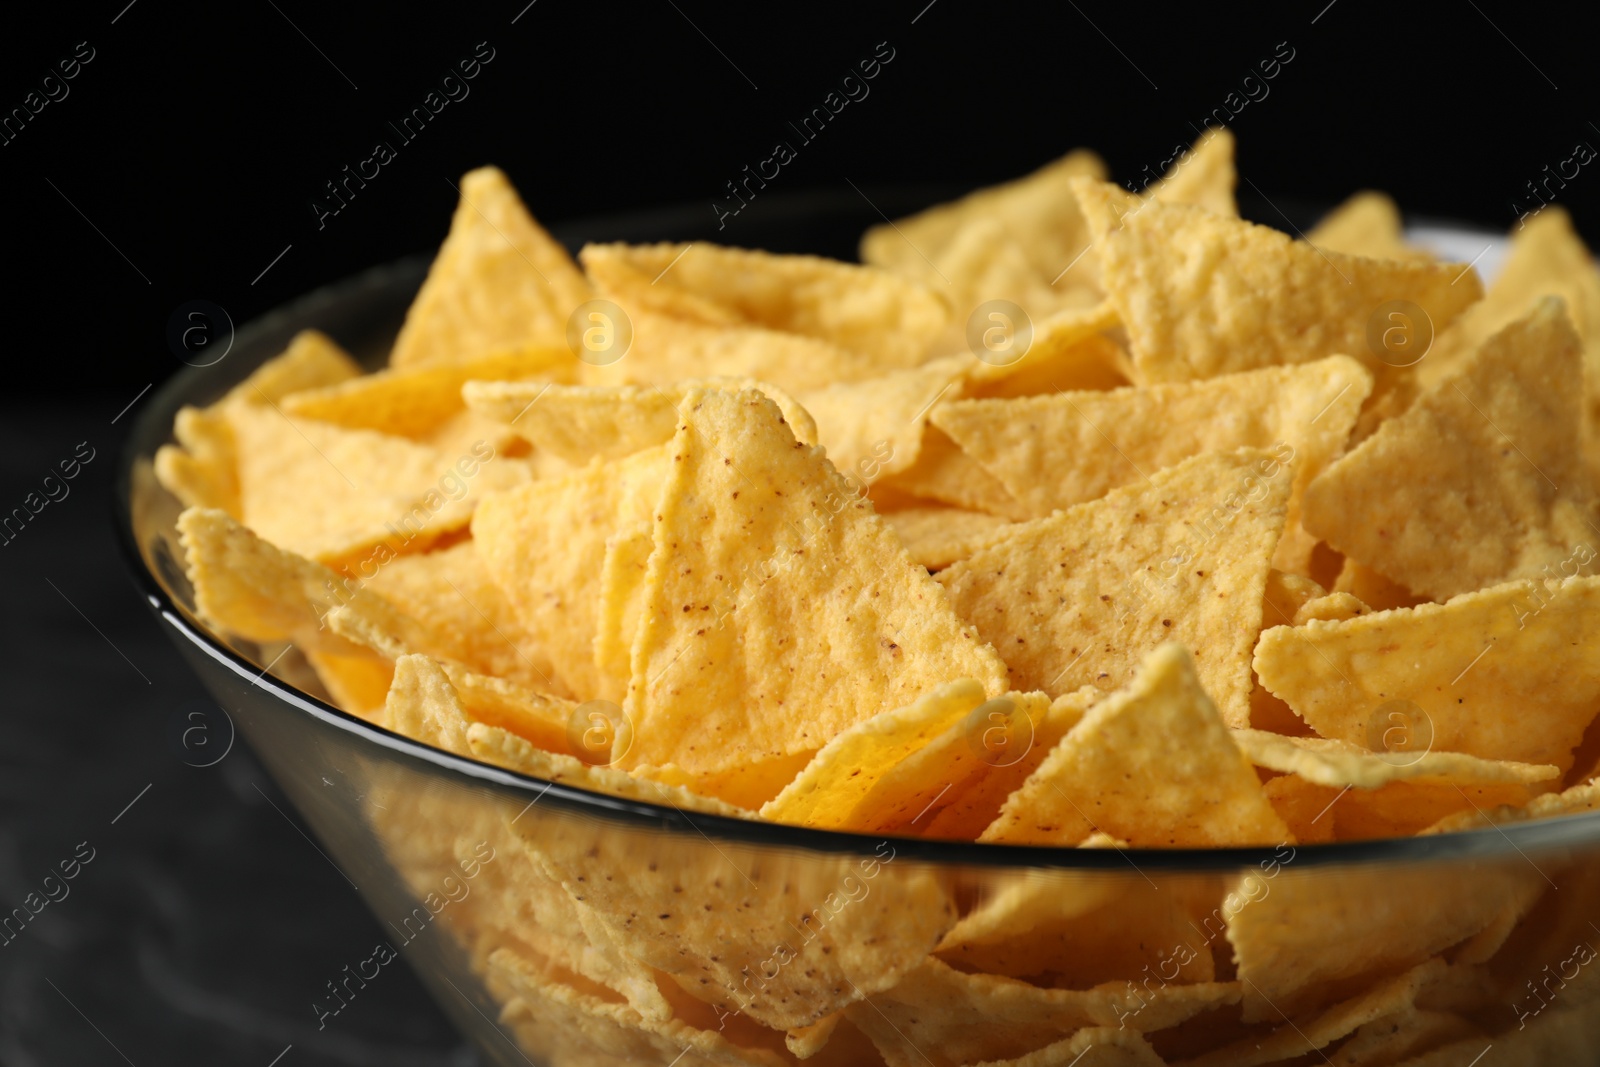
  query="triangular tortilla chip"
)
[
  {"x": 863, "y": 309},
  {"x": 1477, "y": 667},
  {"x": 423, "y": 705},
  {"x": 375, "y": 495},
  {"x": 972, "y": 805},
  {"x": 544, "y": 545},
  {"x": 874, "y": 428},
  {"x": 1066, "y": 350},
  {"x": 1080, "y": 597},
  {"x": 200, "y": 470},
  {"x": 1368, "y": 225},
  {"x": 1400, "y": 808},
  {"x": 622, "y": 593},
  {"x": 1054, "y": 451},
  {"x": 1152, "y": 764},
  {"x": 1546, "y": 258},
  {"x": 1337, "y": 764},
  {"x": 499, "y": 282},
  {"x": 1371, "y": 588},
  {"x": 939, "y": 536},
  {"x": 1482, "y": 480},
  {"x": 939, "y": 1017},
  {"x": 579, "y": 423},
  {"x": 831, "y": 791},
  {"x": 1203, "y": 295},
  {"x": 944, "y": 473},
  {"x": 416, "y": 401},
  {"x": 1204, "y": 176},
  {"x": 781, "y": 610}
]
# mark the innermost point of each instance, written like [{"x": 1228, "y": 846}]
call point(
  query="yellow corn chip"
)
[
  {"x": 544, "y": 545},
  {"x": 754, "y": 533},
  {"x": 1495, "y": 486},
  {"x": 1580, "y": 798},
  {"x": 1372, "y": 588},
  {"x": 499, "y": 282},
  {"x": 1371, "y": 922},
  {"x": 862, "y": 309},
  {"x": 938, "y": 536},
  {"x": 1055, "y": 451},
  {"x": 1079, "y": 598},
  {"x": 937, "y": 1016},
  {"x": 1152, "y": 765},
  {"x": 1368, "y": 225},
  {"x": 416, "y": 401},
  {"x": 579, "y": 423},
  {"x": 622, "y": 593},
  {"x": 1066, "y": 350},
  {"x": 376, "y": 495},
  {"x": 357, "y": 683},
  {"x": 200, "y": 469},
  {"x": 1522, "y": 645},
  {"x": 874, "y": 428},
  {"x": 1203, "y": 295},
  {"x": 972, "y": 805},
  {"x": 831, "y": 791},
  {"x": 423, "y": 705},
  {"x": 1077, "y": 931},
  {"x": 944, "y": 473},
  {"x": 1203, "y": 176},
  {"x": 1340, "y": 763},
  {"x": 474, "y": 623},
  {"x": 1546, "y": 258},
  {"x": 1092, "y": 1046},
  {"x": 747, "y": 785}
]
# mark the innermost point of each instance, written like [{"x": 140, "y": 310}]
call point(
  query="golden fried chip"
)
[
  {"x": 863, "y": 309},
  {"x": 1079, "y": 598},
  {"x": 1203, "y": 295},
  {"x": 1055, "y": 451},
  {"x": 944, "y": 473},
  {"x": 424, "y": 706},
  {"x": 1372, "y": 588},
  {"x": 1078, "y": 930},
  {"x": 1368, "y": 225},
  {"x": 544, "y": 545},
  {"x": 1523, "y": 645},
  {"x": 1339, "y": 763},
  {"x": 1092, "y": 1046},
  {"x": 475, "y": 625},
  {"x": 358, "y": 683},
  {"x": 376, "y": 496},
  {"x": 200, "y": 469},
  {"x": 831, "y": 791},
  {"x": 939, "y": 536},
  {"x": 970, "y": 806},
  {"x": 874, "y": 428},
  {"x": 1371, "y": 921},
  {"x": 1153, "y": 765},
  {"x": 1203, "y": 176},
  {"x": 937, "y": 1016},
  {"x": 499, "y": 282},
  {"x": 579, "y": 423},
  {"x": 622, "y": 593},
  {"x": 1066, "y": 351},
  {"x": 1482, "y": 480},
  {"x": 416, "y": 401},
  {"x": 754, "y": 534},
  {"x": 1580, "y": 798}
]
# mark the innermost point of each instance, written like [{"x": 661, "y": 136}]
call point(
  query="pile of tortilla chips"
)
[{"x": 1075, "y": 516}]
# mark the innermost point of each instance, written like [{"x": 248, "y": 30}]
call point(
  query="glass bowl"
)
[{"x": 559, "y": 926}]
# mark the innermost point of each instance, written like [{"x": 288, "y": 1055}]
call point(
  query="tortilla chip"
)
[
  {"x": 1153, "y": 765},
  {"x": 1080, "y": 597},
  {"x": 357, "y": 683},
  {"x": 944, "y": 473},
  {"x": 499, "y": 282},
  {"x": 1055, "y": 451},
  {"x": 721, "y": 674},
  {"x": 831, "y": 791},
  {"x": 1580, "y": 798},
  {"x": 939, "y": 536},
  {"x": 1371, "y": 921},
  {"x": 975, "y": 802},
  {"x": 1372, "y": 588},
  {"x": 937, "y": 1016},
  {"x": 874, "y": 428},
  {"x": 665, "y": 351},
  {"x": 1092, "y": 1046},
  {"x": 1495, "y": 486},
  {"x": 1523, "y": 645},
  {"x": 377, "y": 495},
  {"x": 580, "y": 423},
  {"x": 1339, "y": 763},
  {"x": 863, "y": 309},
  {"x": 1368, "y": 225},
  {"x": 1078, "y": 930},
  {"x": 423, "y": 705},
  {"x": 622, "y": 594},
  {"x": 1066, "y": 351},
  {"x": 1203, "y": 295},
  {"x": 544, "y": 545},
  {"x": 474, "y": 622},
  {"x": 200, "y": 470},
  {"x": 415, "y": 402},
  {"x": 1203, "y": 176}
]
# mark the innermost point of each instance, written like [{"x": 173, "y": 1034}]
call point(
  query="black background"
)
[{"x": 184, "y": 160}]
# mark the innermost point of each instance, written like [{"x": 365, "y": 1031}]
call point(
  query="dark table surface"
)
[{"x": 206, "y": 922}]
